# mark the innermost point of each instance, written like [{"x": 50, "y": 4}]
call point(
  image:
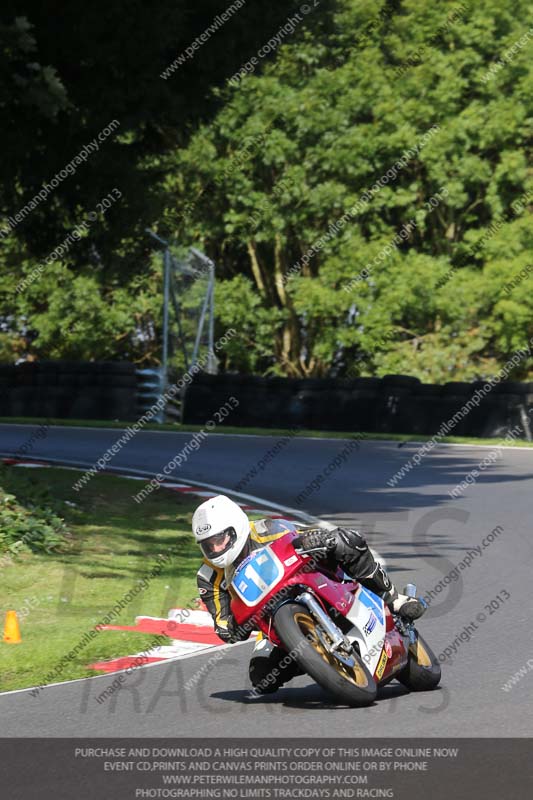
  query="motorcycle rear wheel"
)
[
  {"x": 422, "y": 672},
  {"x": 302, "y": 636}
]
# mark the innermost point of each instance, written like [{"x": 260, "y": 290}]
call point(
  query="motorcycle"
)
[{"x": 338, "y": 632}]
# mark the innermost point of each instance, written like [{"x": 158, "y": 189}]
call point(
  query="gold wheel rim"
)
[
  {"x": 422, "y": 655},
  {"x": 355, "y": 674}
]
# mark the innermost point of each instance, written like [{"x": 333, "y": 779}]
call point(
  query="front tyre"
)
[
  {"x": 422, "y": 672},
  {"x": 344, "y": 676}
]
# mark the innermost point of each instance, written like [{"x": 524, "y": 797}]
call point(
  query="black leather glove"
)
[
  {"x": 318, "y": 538},
  {"x": 233, "y": 632}
]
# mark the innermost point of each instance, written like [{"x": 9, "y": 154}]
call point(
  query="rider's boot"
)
[
  {"x": 270, "y": 667},
  {"x": 410, "y": 608}
]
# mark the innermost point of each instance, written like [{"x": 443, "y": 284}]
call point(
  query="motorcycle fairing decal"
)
[
  {"x": 257, "y": 575},
  {"x": 368, "y": 630},
  {"x": 380, "y": 669},
  {"x": 371, "y": 624},
  {"x": 373, "y": 602}
]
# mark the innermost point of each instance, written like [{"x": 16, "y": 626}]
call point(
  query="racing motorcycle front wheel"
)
[
  {"x": 422, "y": 672},
  {"x": 341, "y": 673}
]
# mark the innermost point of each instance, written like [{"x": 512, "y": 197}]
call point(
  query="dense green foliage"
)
[
  {"x": 29, "y": 522},
  {"x": 264, "y": 165}
]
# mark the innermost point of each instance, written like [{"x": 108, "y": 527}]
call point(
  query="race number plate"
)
[{"x": 257, "y": 576}]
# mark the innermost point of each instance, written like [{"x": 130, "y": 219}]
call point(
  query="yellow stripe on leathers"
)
[{"x": 216, "y": 594}]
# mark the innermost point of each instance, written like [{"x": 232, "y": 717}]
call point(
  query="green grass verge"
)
[
  {"x": 228, "y": 430},
  {"x": 114, "y": 544}
]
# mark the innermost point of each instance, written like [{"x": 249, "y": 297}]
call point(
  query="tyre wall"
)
[
  {"x": 69, "y": 390},
  {"x": 392, "y": 404}
]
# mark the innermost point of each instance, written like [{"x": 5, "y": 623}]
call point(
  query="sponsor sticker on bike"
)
[
  {"x": 371, "y": 624},
  {"x": 372, "y": 602},
  {"x": 291, "y": 560},
  {"x": 380, "y": 669},
  {"x": 388, "y": 648}
]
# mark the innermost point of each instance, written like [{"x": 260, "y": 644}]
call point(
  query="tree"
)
[
  {"x": 96, "y": 80},
  {"x": 296, "y": 149},
  {"x": 71, "y": 71}
]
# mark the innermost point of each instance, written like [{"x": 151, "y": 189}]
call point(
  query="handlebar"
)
[{"x": 297, "y": 544}]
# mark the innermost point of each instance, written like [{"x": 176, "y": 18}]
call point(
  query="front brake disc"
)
[{"x": 348, "y": 660}]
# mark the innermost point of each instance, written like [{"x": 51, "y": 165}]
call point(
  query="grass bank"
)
[{"x": 112, "y": 547}]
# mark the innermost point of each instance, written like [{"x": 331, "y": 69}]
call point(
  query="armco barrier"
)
[
  {"x": 393, "y": 404},
  {"x": 69, "y": 390}
]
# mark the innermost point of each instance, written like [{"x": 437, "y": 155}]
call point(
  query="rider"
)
[{"x": 226, "y": 536}]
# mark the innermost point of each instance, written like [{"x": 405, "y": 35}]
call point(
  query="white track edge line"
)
[{"x": 161, "y": 663}]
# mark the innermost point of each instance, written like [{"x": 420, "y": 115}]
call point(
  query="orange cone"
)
[{"x": 12, "y": 629}]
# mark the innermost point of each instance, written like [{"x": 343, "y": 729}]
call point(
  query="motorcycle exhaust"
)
[{"x": 320, "y": 615}]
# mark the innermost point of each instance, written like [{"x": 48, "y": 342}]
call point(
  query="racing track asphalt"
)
[{"x": 421, "y": 532}]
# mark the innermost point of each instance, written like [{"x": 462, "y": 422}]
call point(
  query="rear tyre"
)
[
  {"x": 422, "y": 672},
  {"x": 345, "y": 677}
]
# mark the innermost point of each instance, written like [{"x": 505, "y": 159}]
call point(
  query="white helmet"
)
[{"x": 221, "y": 528}]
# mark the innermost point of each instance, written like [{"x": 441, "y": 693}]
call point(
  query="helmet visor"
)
[{"x": 218, "y": 544}]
